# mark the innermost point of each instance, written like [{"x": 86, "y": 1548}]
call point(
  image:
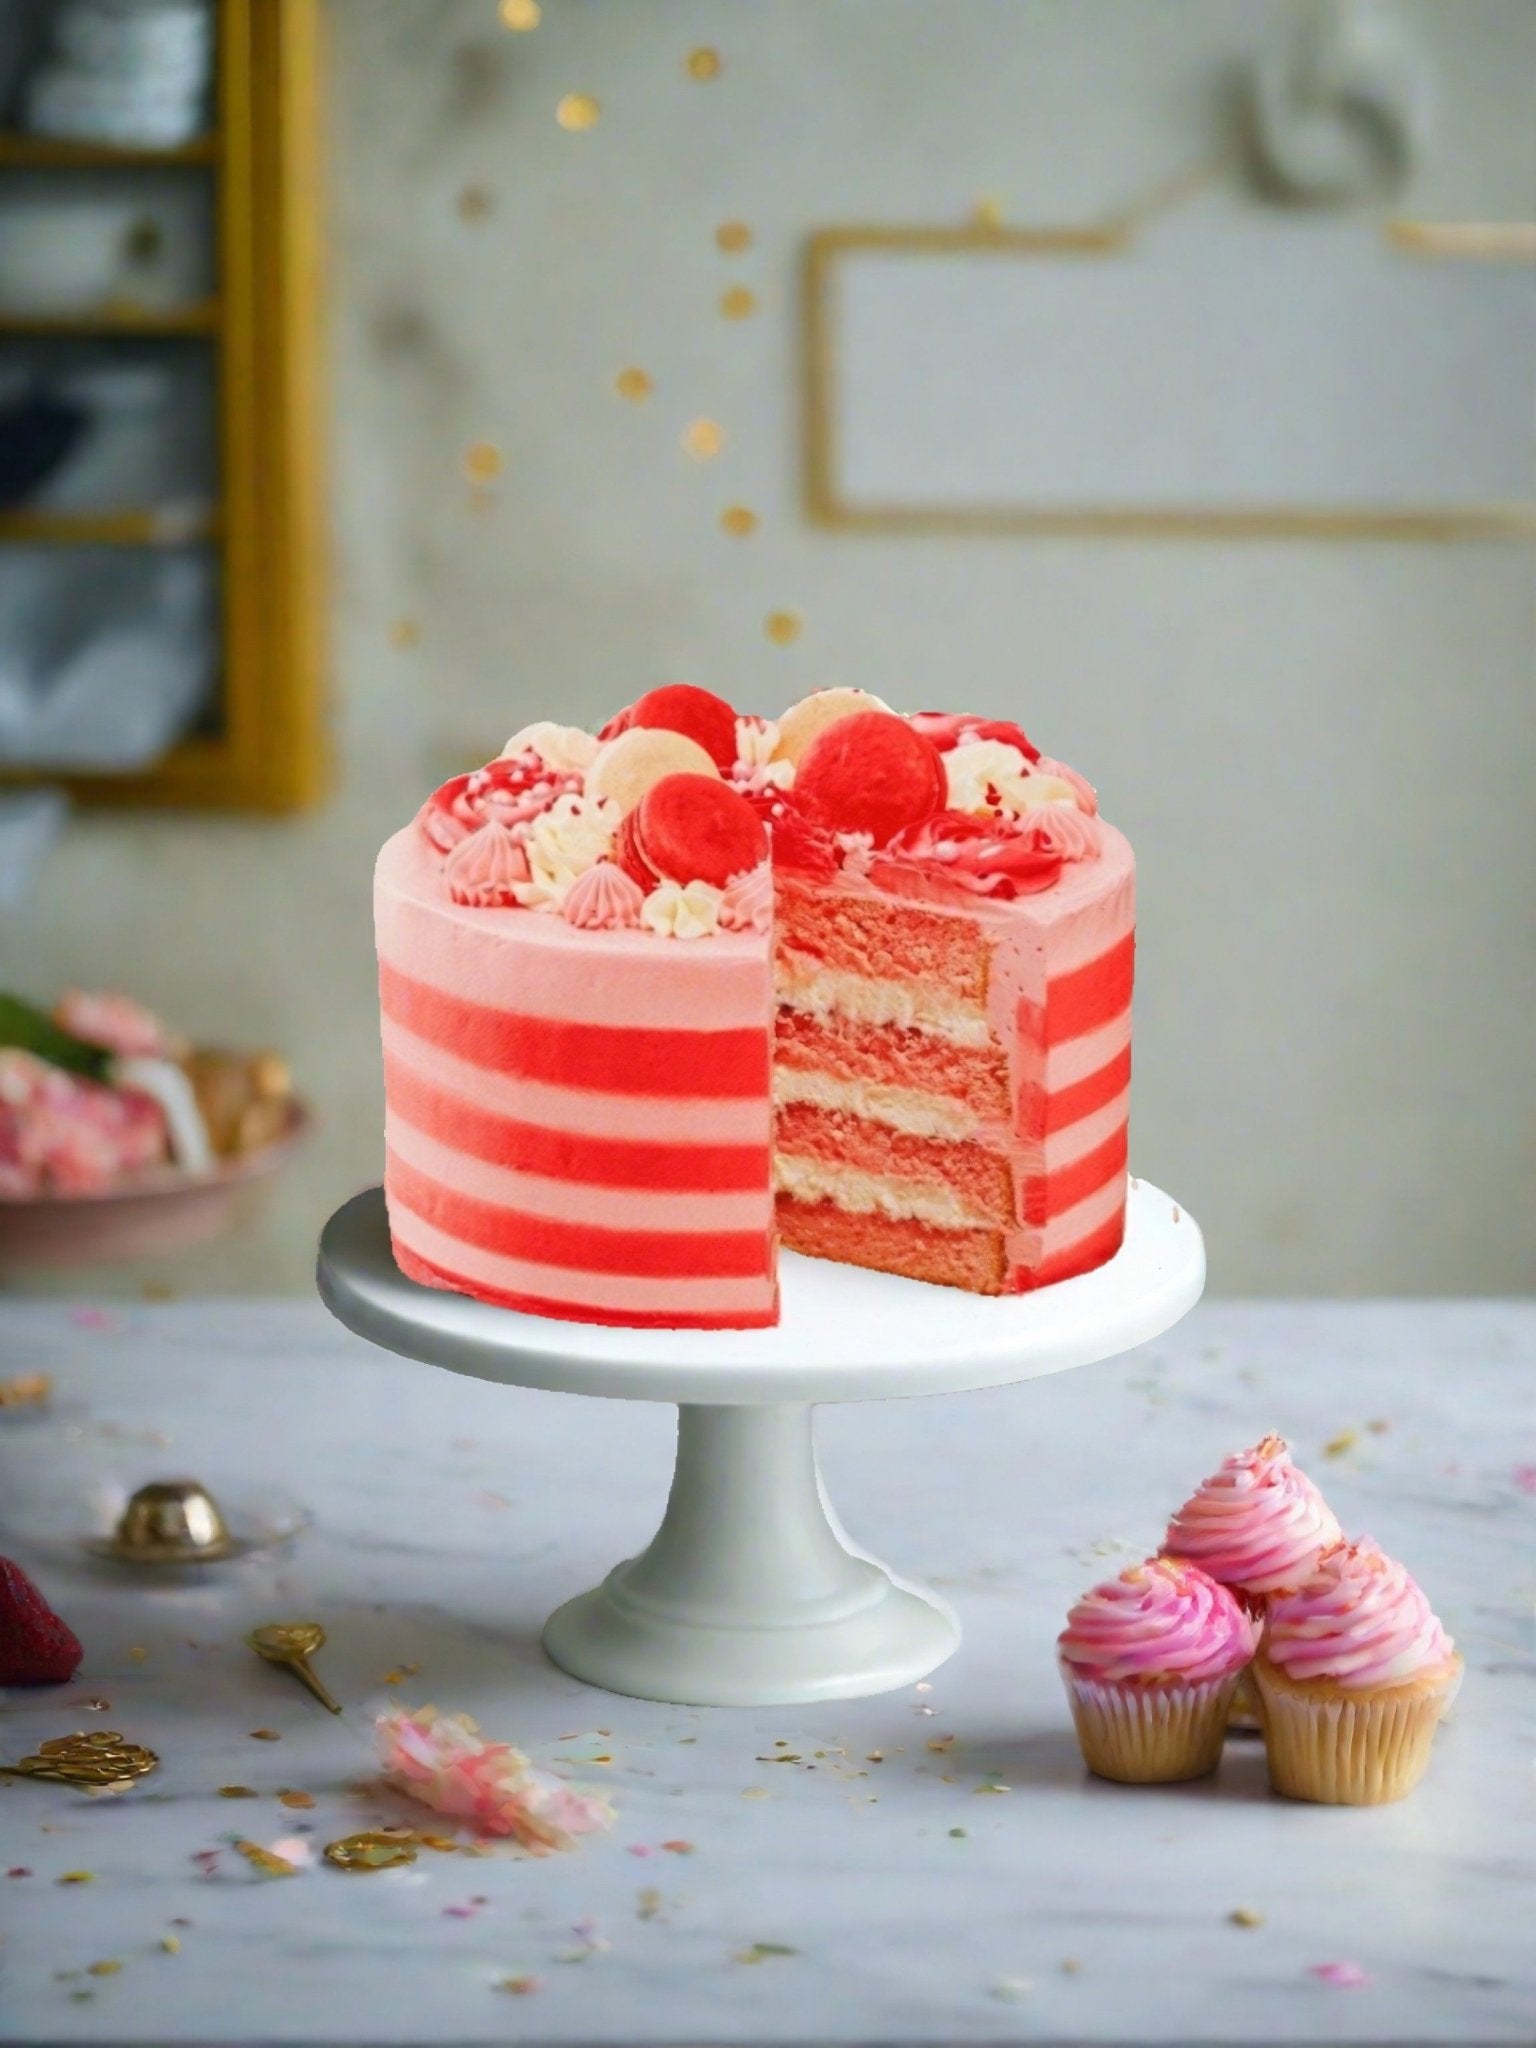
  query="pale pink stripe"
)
[
  {"x": 1032, "y": 1246},
  {"x": 681, "y": 1119},
  {"x": 1062, "y": 1147},
  {"x": 1077, "y": 1058},
  {"x": 612, "y": 1291},
  {"x": 575, "y": 1201}
]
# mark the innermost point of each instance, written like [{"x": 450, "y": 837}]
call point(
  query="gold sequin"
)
[
  {"x": 482, "y": 462},
  {"x": 782, "y": 627},
  {"x": 704, "y": 64},
  {"x": 521, "y": 14},
  {"x": 703, "y": 439},
  {"x": 578, "y": 110},
  {"x": 733, "y": 236},
  {"x": 372, "y": 1851},
  {"x": 739, "y": 520},
  {"x": 633, "y": 384},
  {"x": 739, "y": 303}
]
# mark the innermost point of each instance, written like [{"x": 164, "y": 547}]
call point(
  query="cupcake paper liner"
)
[
  {"x": 1341, "y": 1749},
  {"x": 1150, "y": 1734}
]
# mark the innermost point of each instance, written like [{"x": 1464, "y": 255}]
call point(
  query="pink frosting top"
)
[
  {"x": 1257, "y": 1524},
  {"x": 1359, "y": 1620},
  {"x": 1159, "y": 1623}
]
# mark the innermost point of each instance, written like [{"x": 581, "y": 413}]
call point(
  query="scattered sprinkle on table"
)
[{"x": 1244, "y": 1916}]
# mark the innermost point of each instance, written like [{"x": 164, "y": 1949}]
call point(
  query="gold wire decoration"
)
[
  {"x": 578, "y": 110},
  {"x": 1116, "y": 236},
  {"x": 98, "y": 1760}
]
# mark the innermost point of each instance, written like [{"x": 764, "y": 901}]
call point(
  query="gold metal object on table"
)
[
  {"x": 172, "y": 1521},
  {"x": 370, "y": 1852},
  {"x": 293, "y": 1643},
  {"x": 97, "y": 1760}
]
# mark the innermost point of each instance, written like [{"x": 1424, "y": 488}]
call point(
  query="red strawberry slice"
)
[
  {"x": 871, "y": 773},
  {"x": 36, "y": 1647},
  {"x": 690, "y": 828},
  {"x": 685, "y": 708}
]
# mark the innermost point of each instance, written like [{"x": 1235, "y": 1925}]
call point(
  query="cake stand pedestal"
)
[{"x": 750, "y": 1594}]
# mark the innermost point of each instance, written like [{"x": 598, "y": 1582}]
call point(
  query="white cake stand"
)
[{"x": 750, "y": 1594}]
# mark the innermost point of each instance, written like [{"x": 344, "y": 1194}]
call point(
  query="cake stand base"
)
[{"x": 750, "y": 1594}]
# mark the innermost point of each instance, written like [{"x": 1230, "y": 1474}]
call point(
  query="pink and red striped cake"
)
[{"x": 658, "y": 999}]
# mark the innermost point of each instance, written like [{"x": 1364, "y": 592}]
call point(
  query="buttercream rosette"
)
[
  {"x": 1258, "y": 1524},
  {"x": 1150, "y": 1661},
  {"x": 1355, "y": 1675}
]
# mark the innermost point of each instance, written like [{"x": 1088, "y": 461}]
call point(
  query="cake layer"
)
[
  {"x": 977, "y": 1077},
  {"x": 802, "y": 983},
  {"x": 972, "y": 1259}
]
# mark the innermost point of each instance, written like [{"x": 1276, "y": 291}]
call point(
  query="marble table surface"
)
[{"x": 933, "y": 1865}]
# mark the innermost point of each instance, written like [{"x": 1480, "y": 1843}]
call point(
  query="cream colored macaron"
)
[
  {"x": 801, "y": 722},
  {"x": 566, "y": 748},
  {"x": 625, "y": 767}
]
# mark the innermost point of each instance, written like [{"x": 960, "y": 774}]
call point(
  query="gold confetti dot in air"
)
[
  {"x": 739, "y": 521},
  {"x": 733, "y": 236},
  {"x": 704, "y": 65},
  {"x": 521, "y": 14},
  {"x": 482, "y": 462},
  {"x": 474, "y": 202},
  {"x": 633, "y": 384},
  {"x": 703, "y": 439},
  {"x": 988, "y": 213},
  {"x": 782, "y": 627},
  {"x": 739, "y": 303},
  {"x": 578, "y": 110}
]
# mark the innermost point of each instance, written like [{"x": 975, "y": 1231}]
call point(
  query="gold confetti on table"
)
[
  {"x": 739, "y": 303},
  {"x": 988, "y": 213},
  {"x": 578, "y": 110},
  {"x": 703, "y": 439},
  {"x": 108, "y": 1968},
  {"x": 482, "y": 462},
  {"x": 302, "y": 1800},
  {"x": 733, "y": 236},
  {"x": 782, "y": 627},
  {"x": 171, "y": 1943},
  {"x": 78, "y": 1877},
  {"x": 739, "y": 520},
  {"x": 704, "y": 65},
  {"x": 1337, "y": 1446},
  {"x": 521, "y": 15},
  {"x": 520, "y": 1986},
  {"x": 100, "y": 1761},
  {"x": 474, "y": 203},
  {"x": 236, "y": 1792},
  {"x": 1244, "y": 1916},
  {"x": 762, "y": 1951},
  {"x": 265, "y": 1860},
  {"x": 633, "y": 384},
  {"x": 373, "y": 1851},
  {"x": 26, "y": 1390},
  {"x": 265, "y": 1735}
]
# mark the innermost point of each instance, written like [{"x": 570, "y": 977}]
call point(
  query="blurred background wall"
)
[{"x": 1322, "y": 750}]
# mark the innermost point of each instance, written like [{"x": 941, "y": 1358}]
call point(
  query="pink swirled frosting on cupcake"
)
[
  {"x": 1360, "y": 1620},
  {"x": 1162, "y": 1622},
  {"x": 1258, "y": 1524}
]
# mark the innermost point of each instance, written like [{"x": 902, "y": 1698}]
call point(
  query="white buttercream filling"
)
[
  {"x": 911, "y": 1110},
  {"x": 827, "y": 993},
  {"x": 874, "y": 1194}
]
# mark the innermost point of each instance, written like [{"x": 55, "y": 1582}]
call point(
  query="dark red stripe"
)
[
  {"x": 1088, "y": 997},
  {"x": 414, "y": 1267},
  {"x": 621, "y": 1059},
  {"x": 580, "y": 1247},
  {"x": 1052, "y": 1194},
  {"x": 1096, "y": 1249},
  {"x": 1044, "y": 1110},
  {"x": 569, "y": 1155}
]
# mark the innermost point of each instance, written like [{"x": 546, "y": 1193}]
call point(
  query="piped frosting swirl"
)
[
  {"x": 1359, "y": 1620},
  {"x": 486, "y": 869},
  {"x": 1162, "y": 1622},
  {"x": 1258, "y": 1523}
]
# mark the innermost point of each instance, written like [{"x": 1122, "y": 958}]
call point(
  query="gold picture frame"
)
[{"x": 826, "y": 505}]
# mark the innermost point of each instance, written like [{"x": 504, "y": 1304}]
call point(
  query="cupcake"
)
[
  {"x": 1354, "y": 1674},
  {"x": 1150, "y": 1661},
  {"x": 1257, "y": 1525}
]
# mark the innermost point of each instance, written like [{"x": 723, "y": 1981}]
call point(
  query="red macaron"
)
[
  {"x": 690, "y": 828},
  {"x": 684, "y": 708},
  {"x": 870, "y": 772}
]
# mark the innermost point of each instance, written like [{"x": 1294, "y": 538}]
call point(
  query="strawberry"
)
[{"x": 36, "y": 1647}]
